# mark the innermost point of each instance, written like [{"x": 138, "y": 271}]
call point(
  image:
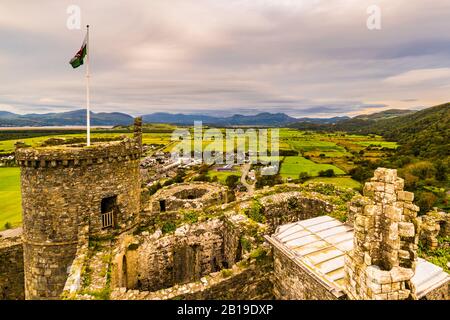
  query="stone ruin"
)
[
  {"x": 187, "y": 196},
  {"x": 214, "y": 249},
  {"x": 386, "y": 235},
  {"x": 435, "y": 223}
]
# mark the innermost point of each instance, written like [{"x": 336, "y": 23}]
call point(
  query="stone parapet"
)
[{"x": 77, "y": 155}]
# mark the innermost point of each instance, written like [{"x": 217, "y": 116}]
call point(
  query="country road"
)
[{"x": 244, "y": 170}]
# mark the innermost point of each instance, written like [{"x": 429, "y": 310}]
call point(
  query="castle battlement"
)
[{"x": 77, "y": 155}]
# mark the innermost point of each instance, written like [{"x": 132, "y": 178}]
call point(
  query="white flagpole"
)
[{"x": 88, "y": 120}]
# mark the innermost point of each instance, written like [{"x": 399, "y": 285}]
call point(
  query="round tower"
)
[{"x": 65, "y": 188}]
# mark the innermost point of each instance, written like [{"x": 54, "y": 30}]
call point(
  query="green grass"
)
[
  {"x": 222, "y": 175},
  {"x": 7, "y": 146},
  {"x": 292, "y": 166},
  {"x": 10, "y": 197},
  {"x": 378, "y": 143},
  {"x": 345, "y": 182}
]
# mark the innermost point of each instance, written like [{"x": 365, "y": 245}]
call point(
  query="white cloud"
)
[
  {"x": 226, "y": 55},
  {"x": 420, "y": 76}
]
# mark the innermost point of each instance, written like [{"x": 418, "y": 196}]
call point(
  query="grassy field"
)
[
  {"x": 7, "y": 146},
  {"x": 345, "y": 182},
  {"x": 10, "y": 198},
  {"x": 324, "y": 151},
  {"x": 222, "y": 175},
  {"x": 293, "y": 166}
]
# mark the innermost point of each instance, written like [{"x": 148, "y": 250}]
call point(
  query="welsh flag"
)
[{"x": 78, "y": 60}]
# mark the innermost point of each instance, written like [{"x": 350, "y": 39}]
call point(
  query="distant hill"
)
[
  {"x": 260, "y": 119},
  {"x": 424, "y": 133},
  {"x": 263, "y": 119},
  {"x": 71, "y": 118},
  {"x": 386, "y": 114}
]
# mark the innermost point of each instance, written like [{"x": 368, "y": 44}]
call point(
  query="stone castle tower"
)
[
  {"x": 70, "y": 188},
  {"x": 384, "y": 255}
]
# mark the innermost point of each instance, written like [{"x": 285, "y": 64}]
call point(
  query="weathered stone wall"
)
[
  {"x": 11, "y": 269},
  {"x": 252, "y": 282},
  {"x": 384, "y": 255},
  {"x": 288, "y": 207},
  {"x": 191, "y": 196},
  {"x": 440, "y": 293},
  {"x": 156, "y": 261},
  {"x": 433, "y": 224},
  {"x": 292, "y": 282},
  {"x": 62, "y": 191}
]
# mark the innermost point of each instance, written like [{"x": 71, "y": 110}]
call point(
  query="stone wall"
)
[
  {"x": 155, "y": 261},
  {"x": 282, "y": 208},
  {"x": 440, "y": 293},
  {"x": 189, "y": 196},
  {"x": 384, "y": 255},
  {"x": 11, "y": 269},
  {"x": 435, "y": 223},
  {"x": 293, "y": 282},
  {"x": 252, "y": 282}
]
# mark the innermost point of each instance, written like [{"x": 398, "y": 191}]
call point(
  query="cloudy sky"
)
[{"x": 301, "y": 57}]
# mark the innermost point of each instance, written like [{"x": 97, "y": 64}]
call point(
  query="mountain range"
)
[{"x": 78, "y": 117}]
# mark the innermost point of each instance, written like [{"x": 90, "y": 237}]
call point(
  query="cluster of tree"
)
[
  {"x": 327, "y": 173},
  {"x": 268, "y": 180}
]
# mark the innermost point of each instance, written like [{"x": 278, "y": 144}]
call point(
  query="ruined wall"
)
[
  {"x": 155, "y": 261},
  {"x": 252, "y": 282},
  {"x": 291, "y": 282},
  {"x": 384, "y": 256},
  {"x": 434, "y": 224},
  {"x": 62, "y": 190},
  {"x": 193, "y": 195},
  {"x": 11, "y": 269},
  {"x": 440, "y": 293},
  {"x": 288, "y": 207}
]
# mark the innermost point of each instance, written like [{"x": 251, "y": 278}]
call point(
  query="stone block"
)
[
  {"x": 386, "y": 288},
  {"x": 401, "y": 274},
  {"x": 392, "y": 212},
  {"x": 389, "y": 188},
  {"x": 406, "y": 229},
  {"x": 403, "y": 254},
  {"x": 367, "y": 259},
  {"x": 399, "y": 184},
  {"x": 403, "y": 294},
  {"x": 405, "y": 196}
]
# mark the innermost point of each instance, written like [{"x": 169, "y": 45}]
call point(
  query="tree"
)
[
  {"x": 303, "y": 177},
  {"x": 231, "y": 181},
  {"x": 426, "y": 201},
  {"x": 327, "y": 173},
  {"x": 441, "y": 170}
]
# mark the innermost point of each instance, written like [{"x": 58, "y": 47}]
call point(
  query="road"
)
[{"x": 245, "y": 168}]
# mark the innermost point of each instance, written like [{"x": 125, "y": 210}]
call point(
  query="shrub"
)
[
  {"x": 256, "y": 212},
  {"x": 259, "y": 254},
  {"x": 226, "y": 273},
  {"x": 327, "y": 173},
  {"x": 191, "y": 216},
  {"x": 232, "y": 181},
  {"x": 168, "y": 227},
  {"x": 8, "y": 225},
  {"x": 303, "y": 177},
  {"x": 245, "y": 244}
]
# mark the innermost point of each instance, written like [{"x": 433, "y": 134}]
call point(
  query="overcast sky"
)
[{"x": 301, "y": 57}]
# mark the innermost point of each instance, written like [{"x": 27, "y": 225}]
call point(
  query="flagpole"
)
[{"x": 88, "y": 120}]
